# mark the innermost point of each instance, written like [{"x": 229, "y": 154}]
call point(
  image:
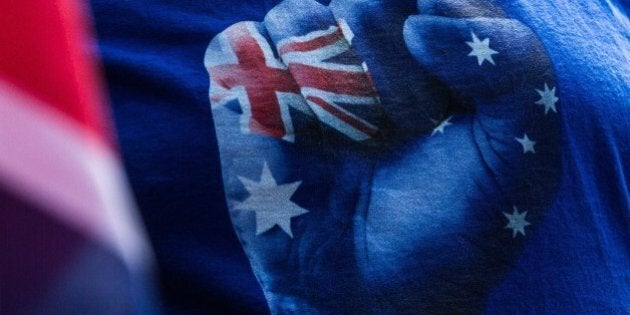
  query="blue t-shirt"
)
[{"x": 377, "y": 156}]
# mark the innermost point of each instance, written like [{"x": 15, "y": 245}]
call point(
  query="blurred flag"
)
[{"x": 69, "y": 239}]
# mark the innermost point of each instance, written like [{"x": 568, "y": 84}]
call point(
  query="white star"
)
[
  {"x": 442, "y": 125},
  {"x": 271, "y": 202},
  {"x": 516, "y": 222},
  {"x": 527, "y": 143},
  {"x": 547, "y": 98},
  {"x": 481, "y": 49}
]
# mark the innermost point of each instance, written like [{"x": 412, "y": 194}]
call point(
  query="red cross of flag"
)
[{"x": 242, "y": 67}]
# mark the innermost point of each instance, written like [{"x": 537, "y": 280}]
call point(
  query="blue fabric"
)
[
  {"x": 415, "y": 217},
  {"x": 153, "y": 61}
]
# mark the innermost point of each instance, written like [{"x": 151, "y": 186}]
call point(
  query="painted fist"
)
[{"x": 376, "y": 161}]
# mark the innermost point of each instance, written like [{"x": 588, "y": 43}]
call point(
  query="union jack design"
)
[{"x": 317, "y": 75}]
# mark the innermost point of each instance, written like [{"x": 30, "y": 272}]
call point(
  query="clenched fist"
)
[{"x": 377, "y": 162}]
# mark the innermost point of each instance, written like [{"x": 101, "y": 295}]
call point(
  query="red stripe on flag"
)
[
  {"x": 54, "y": 135},
  {"x": 343, "y": 116},
  {"x": 334, "y": 81},
  {"x": 313, "y": 44},
  {"x": 43, "y": 52},
  {"x": 63, "y": 193}
]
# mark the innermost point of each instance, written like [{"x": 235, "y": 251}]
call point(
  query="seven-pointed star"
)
[
  {"x": 527, "y": 143},
  {"x": 516, "y": 222},
  {"x": 271, "y": 202},
  {"x": 481, "y": 49},
  {"x": 440, "y": 128},
  {"x": 547, "y": 98}
]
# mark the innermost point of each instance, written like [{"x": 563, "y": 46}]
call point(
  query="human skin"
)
[{"x": 416, "y": 219}]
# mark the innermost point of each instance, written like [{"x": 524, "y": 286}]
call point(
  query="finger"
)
[
  {"x": 330, "y": 75},
  {"x": 412, "y": 98},
  {"x": 255, "y": 105},
  {"x": 478, "y": 57},
  {"x": 499, "y": 66},
  {"x": 247, "y": 78}
]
